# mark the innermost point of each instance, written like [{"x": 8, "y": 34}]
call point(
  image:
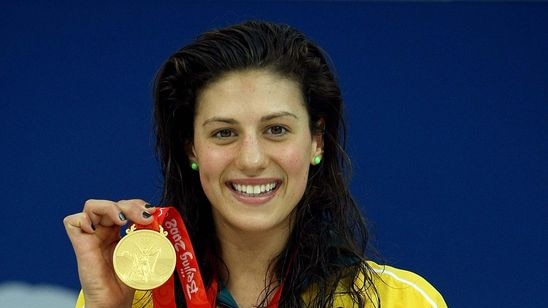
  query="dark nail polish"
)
[
  {"x": 122, "y": 216},
  {"x": 148, "y": 206},
  {"x": 146, "y": 215}
]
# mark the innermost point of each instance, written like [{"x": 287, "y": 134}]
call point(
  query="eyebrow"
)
[
  {"x": 263, "y": 118},
  {"x": 278, "y": 115},
  {"x": 219, "y": 119}
]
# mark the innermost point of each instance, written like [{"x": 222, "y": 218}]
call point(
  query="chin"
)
[{"x": 258, "y": 225}]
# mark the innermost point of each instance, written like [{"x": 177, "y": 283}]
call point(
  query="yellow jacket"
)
[{"x": 395, "y": 287}]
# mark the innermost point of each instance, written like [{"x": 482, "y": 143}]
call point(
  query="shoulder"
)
[
  {"x": 400, "y": 288},
  {"x": 392, "y": 287}
]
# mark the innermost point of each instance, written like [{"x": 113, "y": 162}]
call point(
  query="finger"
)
[
  {"x": 79, "y": 223},
  {"x": 81, "y": 233},
  {"x": 137, "y": 210},
  {"x": 104, "y": 212}
]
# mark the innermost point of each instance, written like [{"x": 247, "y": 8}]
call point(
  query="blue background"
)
[{"x": 447, "y": 114}]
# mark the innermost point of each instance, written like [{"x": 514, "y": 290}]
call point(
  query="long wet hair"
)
[{"x": 326, "y": 247}]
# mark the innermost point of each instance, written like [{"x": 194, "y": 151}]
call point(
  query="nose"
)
[{"x": 252, "y": 157}]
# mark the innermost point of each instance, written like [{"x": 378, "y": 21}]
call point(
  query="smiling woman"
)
[
  {"x": 254, "y": 135},
  {"x": 249, "y": 135}
]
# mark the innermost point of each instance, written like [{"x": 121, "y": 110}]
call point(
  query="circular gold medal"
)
[{"x": 144, "y": 259}]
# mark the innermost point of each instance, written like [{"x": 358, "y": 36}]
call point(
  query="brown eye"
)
[
  {"x": 276, "y": 130},
  {"x": 224, "y": 133}
]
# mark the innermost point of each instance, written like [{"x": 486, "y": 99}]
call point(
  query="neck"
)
[
  {"x": 246, "y": 252},
  {"x": 249, "y": 258}
]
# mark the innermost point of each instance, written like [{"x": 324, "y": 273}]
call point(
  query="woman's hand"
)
[{"x": 94, "y": 234}]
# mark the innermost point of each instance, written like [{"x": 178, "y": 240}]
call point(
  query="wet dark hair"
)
[{"x": 326, "y": 247}]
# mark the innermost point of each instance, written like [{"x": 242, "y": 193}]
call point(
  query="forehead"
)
[{"x": 250, "y": 92}]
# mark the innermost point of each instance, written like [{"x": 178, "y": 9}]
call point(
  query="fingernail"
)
[
  {"x": 148, "y": 206},
  {"x": 93, "y": 227},
  {"x": 146, "y": 215},
  {"x": 122, "y": 216}
]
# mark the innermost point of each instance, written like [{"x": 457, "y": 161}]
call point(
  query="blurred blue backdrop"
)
[{"x": 447, "y": 115}]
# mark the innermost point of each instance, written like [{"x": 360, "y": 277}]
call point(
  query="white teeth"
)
[{"x": 254, "y": 189}]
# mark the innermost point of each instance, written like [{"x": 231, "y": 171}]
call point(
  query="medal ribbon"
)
[
  {"x": 196, "y": 295},
  {"x": 186, "y": 264}
]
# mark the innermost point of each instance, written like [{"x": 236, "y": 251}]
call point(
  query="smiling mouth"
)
[{"x": 254, "y": 190}]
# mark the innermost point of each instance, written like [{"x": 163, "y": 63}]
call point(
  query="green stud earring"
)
[
  {"x": 194, "y": 165},
  {"x": 317, "y": 160}
]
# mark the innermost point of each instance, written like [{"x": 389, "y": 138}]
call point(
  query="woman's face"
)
[{"x": 253, "y": 144}]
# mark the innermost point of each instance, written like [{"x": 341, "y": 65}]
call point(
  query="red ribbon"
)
[{"x": 186, "y": 266}]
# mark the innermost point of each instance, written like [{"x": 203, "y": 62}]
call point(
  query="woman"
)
[{"x": 249, "y": 134}]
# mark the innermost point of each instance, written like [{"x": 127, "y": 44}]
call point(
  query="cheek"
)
[
  {"x": 296, "y": 163},
  {"x": 212, "y": 163},
  {"x": 296, "y": 167}
]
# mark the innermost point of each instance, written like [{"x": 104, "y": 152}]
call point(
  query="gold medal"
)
[{"x": 144, "y": 259}]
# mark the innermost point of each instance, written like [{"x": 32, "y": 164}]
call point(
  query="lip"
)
[{"x": 253, "y": 200}]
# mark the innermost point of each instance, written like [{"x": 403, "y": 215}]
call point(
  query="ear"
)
[
  {"x": 317, "y": 137},
  {"x": 191, "y": 152}
]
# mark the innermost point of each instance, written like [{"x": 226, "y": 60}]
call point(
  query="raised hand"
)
[{"x": 94, "y": 233}]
